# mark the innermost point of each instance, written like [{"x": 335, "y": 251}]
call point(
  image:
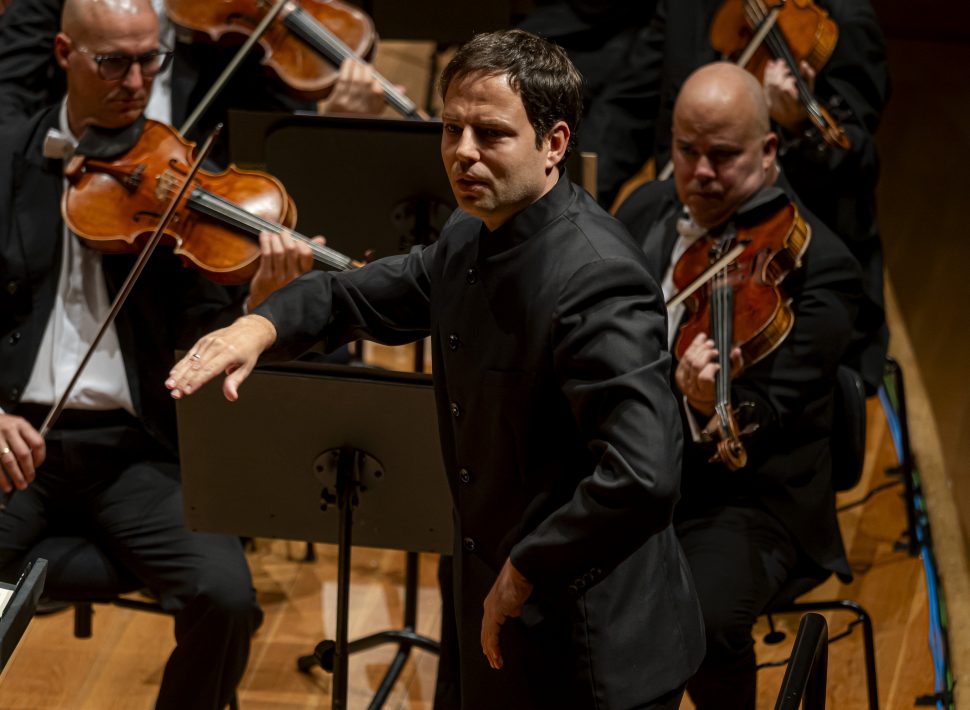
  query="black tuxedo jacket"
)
[
  {"x": 791, "y": 390},
  {"x": 560, "y": 437},
  {"x": 168, "y": 308}
]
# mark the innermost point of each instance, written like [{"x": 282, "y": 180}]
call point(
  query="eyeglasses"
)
[{"x": 112, "y": 67}]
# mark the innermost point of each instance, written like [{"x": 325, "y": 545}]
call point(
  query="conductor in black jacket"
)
[
  {"x": 108, "y": 470},
  {"x": 560, "y": 435},
  {"x": 746, "y": 531}
]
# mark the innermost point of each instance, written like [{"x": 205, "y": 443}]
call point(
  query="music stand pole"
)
[
  {"x": 346, "y": 485},
  {"x": 351, "y": 467}
]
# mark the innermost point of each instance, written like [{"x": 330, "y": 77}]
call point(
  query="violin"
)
[
  {"x": 304, "y": 45},
  {"x": 114, "y": 205},
  {"x": 730, "y": 284},
  {"x": 793, "y": 31}
]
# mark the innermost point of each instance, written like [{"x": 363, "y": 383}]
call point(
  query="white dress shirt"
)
[
  {"x": 80, "y": 306},
  {"x": 160, "y": 102},
  {"x": 81, "y": 303},
  {"x": 688, "y": 232}
]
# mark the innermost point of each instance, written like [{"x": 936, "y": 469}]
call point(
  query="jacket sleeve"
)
[
  {"x": 29, "y": 77},
  {"x": 387, "y": 301},
  {"x": 608, "y": 336}
]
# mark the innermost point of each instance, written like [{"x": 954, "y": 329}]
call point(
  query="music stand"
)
[
  {"x": 368, "y": 472},
  {"x": 364, "y": 183},
  {"x": 20, "y": 608}
]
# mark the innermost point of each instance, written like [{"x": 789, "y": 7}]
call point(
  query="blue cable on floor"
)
[{"x": 937, "y": 605}]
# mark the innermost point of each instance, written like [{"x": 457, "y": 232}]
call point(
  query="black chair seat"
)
[{"x": 81, "y": 571}]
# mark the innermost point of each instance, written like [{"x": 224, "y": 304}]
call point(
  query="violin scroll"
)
[{"x": 730, "y": 450}]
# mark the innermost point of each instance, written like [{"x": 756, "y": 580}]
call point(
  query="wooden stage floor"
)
[{"x": 121, "y": 665}]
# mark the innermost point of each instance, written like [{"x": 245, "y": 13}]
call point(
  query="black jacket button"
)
[
  {"x": 11, "y": 287},
  {"x": 468, "y": 544},
  {"x": 455, "y": 410},
  {"x": 454, "y": 341},
  {"x": 472, "y": 275},
  {"x": 464, "y": 476}
]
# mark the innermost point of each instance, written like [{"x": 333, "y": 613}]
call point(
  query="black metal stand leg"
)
[
  {"x": 870, "y": 652},
  {"x": 345, "y": 486},
  {"x": 333, "y": 655},
  {"x": 406, "y": 638}
]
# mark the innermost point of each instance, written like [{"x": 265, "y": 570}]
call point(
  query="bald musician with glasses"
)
[{"x": 108, "y": 470}]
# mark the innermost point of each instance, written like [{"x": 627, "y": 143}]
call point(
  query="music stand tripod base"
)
[{"x": 346, "y": 474}]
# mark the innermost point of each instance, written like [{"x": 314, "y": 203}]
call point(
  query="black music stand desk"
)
[{"x": 329, "y": 453}]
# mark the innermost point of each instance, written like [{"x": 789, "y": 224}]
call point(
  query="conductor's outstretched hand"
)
[{"x": 233, "y": 350}]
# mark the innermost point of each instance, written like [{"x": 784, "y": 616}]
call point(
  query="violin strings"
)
[
  {"x": 331, "y": 257},
  {"x": 331, "y": 46},
  {"x": 717, "y": 326},
  {"x": 242, "y": 218}
]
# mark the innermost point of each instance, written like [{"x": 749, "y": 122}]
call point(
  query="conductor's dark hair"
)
[{"x": 550, "y": 86}]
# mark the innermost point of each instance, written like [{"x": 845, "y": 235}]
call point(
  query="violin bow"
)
[
  {"x": 706, "y": 275},
  {"x": 129, "y": 283}
]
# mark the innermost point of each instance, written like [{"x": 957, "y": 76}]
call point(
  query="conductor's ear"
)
[{"x": 556, "y": 143}]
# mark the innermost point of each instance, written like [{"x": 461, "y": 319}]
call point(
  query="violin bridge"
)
[{"x": 164, "y": 186}]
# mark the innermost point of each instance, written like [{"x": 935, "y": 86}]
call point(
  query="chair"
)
[
  {"x": 81, "y": 574},
  {"x": 848, "y": 453}
]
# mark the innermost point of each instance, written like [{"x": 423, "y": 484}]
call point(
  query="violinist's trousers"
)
[{"x": 106, "y": 480}]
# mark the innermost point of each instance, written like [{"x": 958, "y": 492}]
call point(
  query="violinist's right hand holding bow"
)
[{"x": 22, "y": 450}]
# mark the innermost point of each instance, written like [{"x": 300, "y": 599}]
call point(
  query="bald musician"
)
[
  {"x": 30, "y": 79},
  {"x": 108, "y": 471},
  {"x": 745, "y": 532},
  {"x": 837, "y": 184}
]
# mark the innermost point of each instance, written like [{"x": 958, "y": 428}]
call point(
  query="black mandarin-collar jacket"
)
[{"x": 561, "y": 440}]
